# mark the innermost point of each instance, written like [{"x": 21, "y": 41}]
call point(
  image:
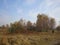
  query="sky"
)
[{"x": 14, "y": 10}]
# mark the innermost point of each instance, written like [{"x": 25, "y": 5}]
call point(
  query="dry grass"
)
[{"x": 30, "y": 39}]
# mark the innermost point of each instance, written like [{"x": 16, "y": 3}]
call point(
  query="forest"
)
[{"x": 43, "y": 23}]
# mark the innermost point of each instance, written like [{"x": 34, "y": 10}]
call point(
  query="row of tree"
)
[{"x": 43, "y": 23}]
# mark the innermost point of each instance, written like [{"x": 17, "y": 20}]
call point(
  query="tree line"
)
[{"x": 42, "y": 24}]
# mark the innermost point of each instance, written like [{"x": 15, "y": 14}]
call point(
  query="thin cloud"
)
[
  {"x": 19, "y": 11},
  {"x": 4, "y": 17},
  {"x": 5, "y": 4},
  {"x": 29, "y": 2}
]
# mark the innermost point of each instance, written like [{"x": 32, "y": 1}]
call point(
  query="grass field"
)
[{"x": 42, "y": 38}]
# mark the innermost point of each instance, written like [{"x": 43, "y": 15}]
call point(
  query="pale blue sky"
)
[{"x": 14, "y": 10}]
